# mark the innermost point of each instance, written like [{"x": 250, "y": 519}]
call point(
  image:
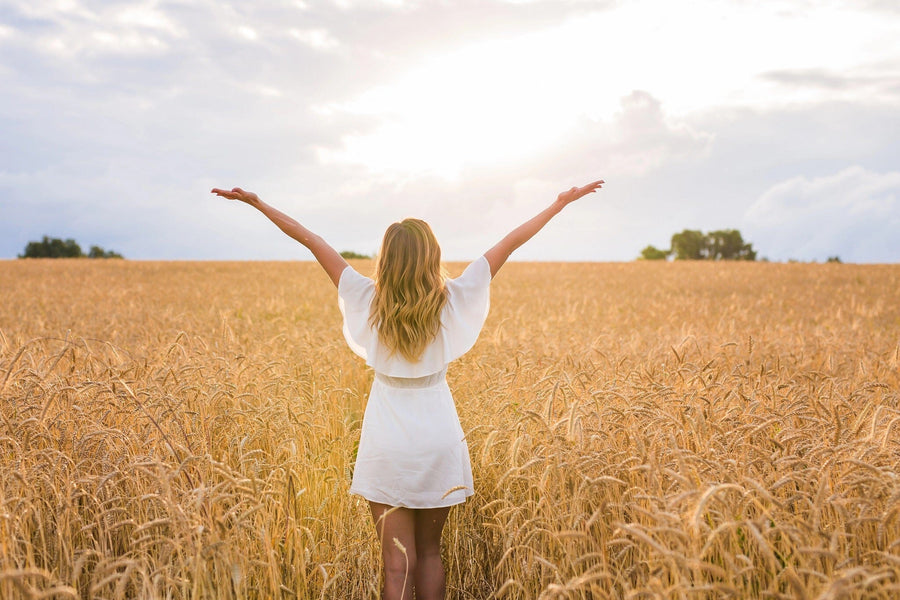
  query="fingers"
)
[
  {"x": 234, "y": 194},
  {"x": 591, "y": 187}
]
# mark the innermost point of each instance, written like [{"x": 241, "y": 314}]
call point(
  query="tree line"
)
[
  {"x": 58, "y": 248},
  {"x": 693, "y": 244}
]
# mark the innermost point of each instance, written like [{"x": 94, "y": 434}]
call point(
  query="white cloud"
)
[
  {"x": 368, "y": 4},
  {"x": 854, "y": 213},
  {"x": 67, "y": 29},
  {"x": 510, "y": 98},
  {"x": 124, "y": 42},
  {"x": 318, "y": 39},
  {"x": 147, "y": 16},
  {"x": 269, "y": 91},
  {"x": 53, "y": 9},
  {"x": 248, "y": 33},
  {"x": 644, "y": 138},
  {"x": 123, "y": 101}
]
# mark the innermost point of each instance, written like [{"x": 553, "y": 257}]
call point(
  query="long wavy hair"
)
[{"x": 409, "y": 289}]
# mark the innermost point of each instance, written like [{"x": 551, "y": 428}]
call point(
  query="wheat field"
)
[{"x": 642, "y": 430}]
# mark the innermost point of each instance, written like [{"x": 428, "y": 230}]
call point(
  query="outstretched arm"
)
[
  {"x": 331, "y": 261},
  {"x": 497, "y": 255}
]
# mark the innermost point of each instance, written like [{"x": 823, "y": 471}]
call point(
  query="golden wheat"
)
[{"x": 688, "y": 430}]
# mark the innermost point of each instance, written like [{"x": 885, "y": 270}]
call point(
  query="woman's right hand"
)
[
  {"x": 573, "y": 194},
  {"x": 238, "y": 194}
]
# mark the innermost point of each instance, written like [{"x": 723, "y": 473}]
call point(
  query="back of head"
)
[{"x": 409, "y": 288}]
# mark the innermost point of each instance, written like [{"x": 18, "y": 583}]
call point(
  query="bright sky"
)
[{"x": 779, "y": 118}]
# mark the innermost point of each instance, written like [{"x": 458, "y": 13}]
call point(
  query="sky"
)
[{"x": 777, "y": 118}]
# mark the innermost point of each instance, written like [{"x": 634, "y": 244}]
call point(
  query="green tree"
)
[
  {"x": 690, "y": 244},
  {"x": 723, "y": 244},
  {"x": 52, "y": 248},
  {"x": 98, "y": 252},
  {"x": 654, "y": 253},
  {"x": 728, "y": 244},
  {"x": 352, "y": 254}
]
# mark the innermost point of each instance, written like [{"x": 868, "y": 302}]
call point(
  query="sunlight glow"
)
[
  {"x": 507, "y": 99},
  {"x": 485, "y": 103}
]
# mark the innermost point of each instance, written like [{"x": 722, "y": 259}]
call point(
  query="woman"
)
[{"x": 408, "y": 324}]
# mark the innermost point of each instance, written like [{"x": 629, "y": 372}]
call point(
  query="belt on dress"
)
[{"x": 413, "y": 382}]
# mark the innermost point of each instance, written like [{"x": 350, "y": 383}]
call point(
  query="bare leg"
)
[
  {"x": 429, "y": 523},
  {"x": 396, "y": 525}
]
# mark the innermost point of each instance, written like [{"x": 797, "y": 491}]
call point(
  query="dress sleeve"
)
[
  {"x": 467, "y": 308},
  {"x": 355, "y": 294}
]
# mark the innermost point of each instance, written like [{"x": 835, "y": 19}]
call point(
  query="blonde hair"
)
[{"x": 409, "y": 289}]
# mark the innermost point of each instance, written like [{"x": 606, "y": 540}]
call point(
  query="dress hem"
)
[{"x": 372, "y": 497}]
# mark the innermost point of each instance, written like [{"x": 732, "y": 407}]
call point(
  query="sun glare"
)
[
  {"x": 503, "y": 100},
  {"x": 483, "y": 104}
]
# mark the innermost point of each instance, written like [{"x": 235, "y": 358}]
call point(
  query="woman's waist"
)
[{"x": 425, "y": 381}]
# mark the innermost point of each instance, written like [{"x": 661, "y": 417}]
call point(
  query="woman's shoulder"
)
[
  {"x": 466, "y": 309},
  {"x": 476, "y": 271},
  {"x": 352, "y": 281},
  {"x": 476, "y": 276}
]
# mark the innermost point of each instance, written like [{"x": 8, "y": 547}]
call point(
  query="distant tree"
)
[
  {"x": 52, "y": 248},
  {"x": 690, "y": 244},
  {"x": 98, "y": 252},
  {"x": 56, "y": 248},
  {"x": 654, "y": 253},
  {"x": 834, "y": 259},
  {"x": 351, "y": 254},
  {"x": 724, "y": 244},
  {"x": 728, "y": 244}
]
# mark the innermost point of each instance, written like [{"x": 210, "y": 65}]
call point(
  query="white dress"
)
[{"x": 412, "y": 449}]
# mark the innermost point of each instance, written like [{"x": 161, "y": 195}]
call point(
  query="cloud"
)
[
  {"x": 888, "y": 6},
  {"x": 854, "y": 213},
  {"x": 873, "y": 82},
  {"x": 68, "y": 30},
  {"x": 319, "y": 39},
  {"x": 472, "y": 208},
  {"x": 643, "y": 138},
  {"x": 119, "y": 115}
]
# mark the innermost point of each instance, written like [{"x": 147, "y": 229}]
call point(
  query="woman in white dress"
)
[{"x": 408, "y": 324}]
